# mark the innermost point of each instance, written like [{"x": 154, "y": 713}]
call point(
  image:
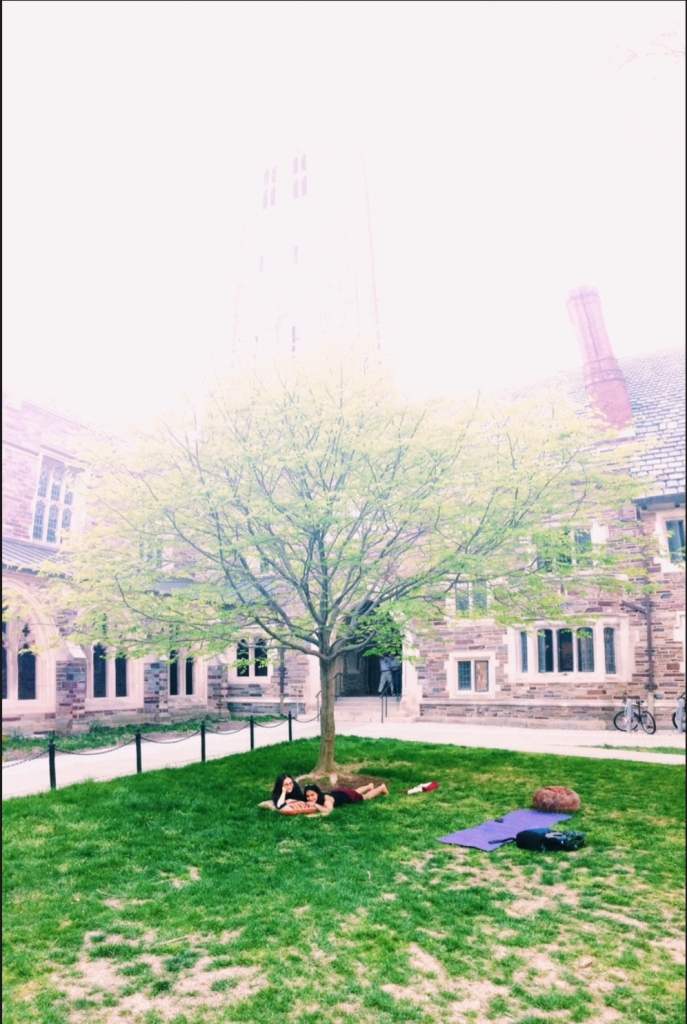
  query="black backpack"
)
[{"x": 541, "y": 839}]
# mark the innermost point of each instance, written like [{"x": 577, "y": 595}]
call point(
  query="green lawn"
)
[{"x": 171, "y": 897}]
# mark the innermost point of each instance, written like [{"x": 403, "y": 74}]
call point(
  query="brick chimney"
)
[{"x": 603, "y": 379}]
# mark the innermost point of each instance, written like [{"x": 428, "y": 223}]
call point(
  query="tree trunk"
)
[{"x": 325, "y": 762}]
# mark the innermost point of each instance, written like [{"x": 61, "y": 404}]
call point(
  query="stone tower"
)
[{"x": 307, "y": 268}]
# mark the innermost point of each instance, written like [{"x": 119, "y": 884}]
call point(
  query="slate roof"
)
[
  {"x": 22, "y": 554},
  {"x": 656, "y": 384}
]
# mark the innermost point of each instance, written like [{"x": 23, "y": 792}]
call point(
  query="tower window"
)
[
  {"x": 303, "y": 163},
  {"x": 295, "y": 166},
  {"x": 273, "y": 196},
  {"x": 304, "y": 186},
  {"x": 54, "y": 481},
  {"x": 274, "y": 175}
]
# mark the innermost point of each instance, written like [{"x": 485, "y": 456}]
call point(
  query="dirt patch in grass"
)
[{"x": 167, "y": 984}]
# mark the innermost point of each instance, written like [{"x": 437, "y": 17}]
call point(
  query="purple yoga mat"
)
[{"x": 501, "y": 830}]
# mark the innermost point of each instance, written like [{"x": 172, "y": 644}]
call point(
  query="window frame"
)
[
  {"x": 622, "y": 648},
  {"x": 63, "y": 506},
  {"x": 664, "y": 557},
  {"x": 452, "y": 668},
  {"x": 250, "y": 674}
]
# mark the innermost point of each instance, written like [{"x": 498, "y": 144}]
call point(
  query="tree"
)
[{"x": 313, "y": 504}]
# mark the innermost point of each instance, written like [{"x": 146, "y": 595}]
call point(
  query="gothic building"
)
[
  {"x": 472, "y": 669},
  {"x": 307, "y": 271}
]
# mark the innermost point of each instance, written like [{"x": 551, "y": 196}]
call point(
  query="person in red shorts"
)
[{"x": 326, "y": 802}]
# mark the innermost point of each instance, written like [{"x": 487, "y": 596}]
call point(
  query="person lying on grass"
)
[
  {"x": 326, "y": 802},
  {"x": 286, "y": 791}
]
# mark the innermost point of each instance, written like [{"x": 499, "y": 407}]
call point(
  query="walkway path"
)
[{"x": 28, "y": 777}]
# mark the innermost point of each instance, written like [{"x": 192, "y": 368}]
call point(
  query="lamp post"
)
[{"x": 282, "y": 678}]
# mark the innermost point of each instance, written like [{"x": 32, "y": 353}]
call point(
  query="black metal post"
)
[
  {"x": 252, "y": 733},
  {"x": 51, "y": 763},
  {"x": 139, "y": 768},
  {"x": 290, "y": 732},
  {"x": 202, "y": 741}
]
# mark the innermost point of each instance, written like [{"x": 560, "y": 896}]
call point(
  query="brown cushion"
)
[
  {"x": 298, "y": 807},
  {"x": 556, "y": 798}
]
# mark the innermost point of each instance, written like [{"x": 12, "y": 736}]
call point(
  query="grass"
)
[{"x": 171, "y": 898}]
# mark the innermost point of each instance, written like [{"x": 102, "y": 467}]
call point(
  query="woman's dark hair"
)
[
  {"x": 315, "y": 789},
  {"x": 296, "y": 793}
]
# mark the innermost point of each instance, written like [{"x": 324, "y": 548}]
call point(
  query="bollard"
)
[
  {"x": 202, "y": 741},
  {"x": 139, "y": 769},
  {"x": 51, "y": 763},
  {"x": 290, "y": 732},
  {"x": 252, "y": 733}
]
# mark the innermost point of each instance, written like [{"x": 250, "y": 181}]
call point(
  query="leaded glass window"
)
[
  {"x": 585, "y": 649},
  {"x": 51, "y": 532},
  {"x": 99, "y": 671},
  {"x": 481, "y": 676},
  {"x": 26, "y": 674},
  {"x": 120, "y": 676},
  {"x": 462, "y": 597},
  {"x": 188, "y": 674},
  {"x": 524, "y": 665},
  {"x": 174, "y": 674},
  {"x": 565, "y": 650},
  {"x": 480, "y": 597},
  {"x": 545, "y": 650},
  {"x": 38, "y": 518},
  {"x": 609, "y": 649},
  {"x": 464, "y": 675},
  {"x": 676, "y": 539},
  {"x": 242, "y": 658},
  {"x": 260, "y": 658}
]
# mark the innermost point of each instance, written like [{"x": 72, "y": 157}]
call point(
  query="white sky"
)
[{"x": 514, "y": 150}]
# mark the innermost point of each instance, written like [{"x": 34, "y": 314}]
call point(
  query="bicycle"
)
[
  {"x": 679, "y": 714},
  {"x": 636, "y": 712}
]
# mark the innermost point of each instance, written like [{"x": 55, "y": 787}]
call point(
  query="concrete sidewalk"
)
[{"x": 32, "y": 776}]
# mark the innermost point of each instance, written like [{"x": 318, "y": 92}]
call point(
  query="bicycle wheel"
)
[
  {"x": 675, "y": 719},
  {"x": 648, "y": 722},
  {"x": 619, "y": 721}
]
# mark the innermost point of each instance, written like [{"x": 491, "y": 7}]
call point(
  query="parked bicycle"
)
[
  {"x": 679, "y": 714},
  {"x": 633, "y": 714}
]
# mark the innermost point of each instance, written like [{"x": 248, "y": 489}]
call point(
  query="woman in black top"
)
[{"x": 286, "y": 790}]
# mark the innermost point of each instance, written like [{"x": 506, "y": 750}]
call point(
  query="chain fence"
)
[{"x": 139, "y": 737}]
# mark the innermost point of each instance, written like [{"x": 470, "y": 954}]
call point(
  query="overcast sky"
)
[{"x": 514, "y": 150}]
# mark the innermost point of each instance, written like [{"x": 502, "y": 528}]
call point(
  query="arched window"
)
[
  {"x": 188, "y": 670},
  {"x": 565, "y": 651},
  {"x": 56, "y": 481},
  {"x": 26, "y": 674},
  {"x": 303, "y": 163},
  {"x": 295, "y": 165}
]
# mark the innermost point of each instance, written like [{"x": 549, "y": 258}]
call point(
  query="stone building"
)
[
  {"x": 473, "y": 669},
  {"x": 545, "y": 672}
]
